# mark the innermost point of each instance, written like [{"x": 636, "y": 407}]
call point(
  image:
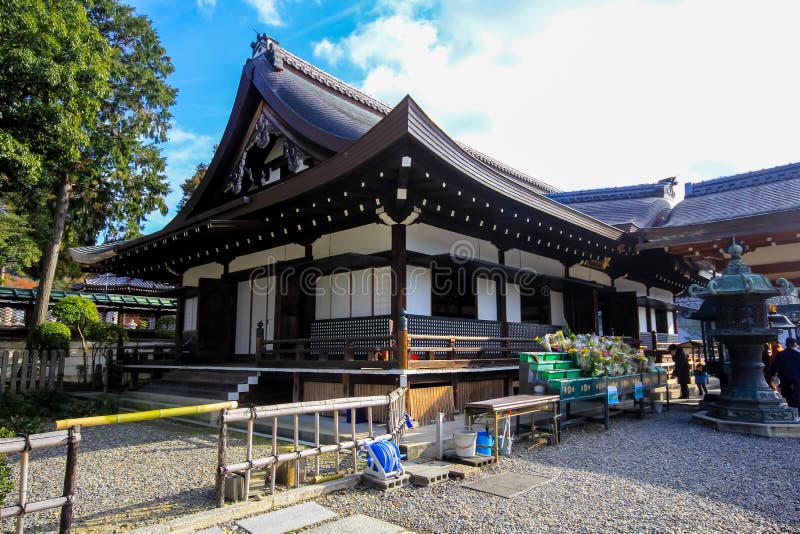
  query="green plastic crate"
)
[
  {"x": 541, "y": 366},
  {"x": 572, "y": 373},
  {"x": 562, "y": 364},
  {"x": 550, "y": 356},
  {"x": 554, "y": 373},
  {"x": 556, "y": 383}
]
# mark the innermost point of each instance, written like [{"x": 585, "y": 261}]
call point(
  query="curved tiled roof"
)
[
  {"x": 640, "y": 212},
  {"x": 741, "y": 195}
]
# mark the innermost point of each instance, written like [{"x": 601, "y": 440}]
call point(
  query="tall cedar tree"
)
[
  {"x": 190, "y": 184},
  {"x": 83, "y": 104}
]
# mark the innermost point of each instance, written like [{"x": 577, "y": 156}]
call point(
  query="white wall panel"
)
[
  {"x": 192, "y": 275},
  {"x": 362, "y": 240},
  {"x": 382, "y": 292},
  {"x": 623, "y": 284},
  {"x": 431, "y": 240},
  {"x": 660, "y": 294},
  {"x": 671, "y": 324},
  {"x": 362, "y": 293},
  {"x": 418, "y": 290},
  {"x": 190, "y": 314},
  {"x": 266, "y": 257},
  {"x": 540, "y": 264},
  {"x": 642, "y": 319},
  {"x": 513, "y": 304},
  {"x": 557, "y": 308},
  {"x": 590, "y": 275},
  {"x": 340, "y": 295},
  {"x": 487, "y": 299},
  {"x": 323, "y": 298},
  {"x": 243, "y": 301}
]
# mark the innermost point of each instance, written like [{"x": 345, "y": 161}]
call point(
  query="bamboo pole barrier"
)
[
  {"x": 274, "y": 454},
  {"x": 316, "y": 444},
  {"x": 273, "y": 460},
  {"x": 221, "y": 450},
  {"x": 38, "y": 506},
  {"x": 353, "y": 418},
  {"x": 296, "y": 449},
  {"x": 147, "y": 415},
  {"x": 310, "y": 407},
  {"x": 36, "y": 441},
  {"x": 23, "y": 489},
  {"x": 336, "y": 438},
  {"x": 249, "y": 456}
]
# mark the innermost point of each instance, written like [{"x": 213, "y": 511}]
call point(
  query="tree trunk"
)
[{"x": 51, "y": 256}]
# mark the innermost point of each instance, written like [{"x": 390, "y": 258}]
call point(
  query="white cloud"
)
[
  {"x": 206, "y": 7},
  {"x": 327, "y": 51},
  {"x": 611, "y": 94},
  {"x": 267, "y": 11}
]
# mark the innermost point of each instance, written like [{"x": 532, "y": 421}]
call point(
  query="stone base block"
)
[
  {"x": 767, "y": 430},
  {"x": 386, "y": 485}
]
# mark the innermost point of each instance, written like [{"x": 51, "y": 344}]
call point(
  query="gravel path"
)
[{"x": 662, "y": 474}]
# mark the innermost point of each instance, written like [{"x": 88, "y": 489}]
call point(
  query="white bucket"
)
[{"x": 465, "y": 444}]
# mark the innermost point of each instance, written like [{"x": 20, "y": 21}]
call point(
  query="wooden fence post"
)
[
  {"x": 4, "y": 364},
  {"x": 70, "y": 479},
  {"x": 43, "y": 367},
  {"x": 55, "y": 356},
  {"x": 221, "y": 450},
  {"x": 62, "y": 358},
  {"x": 12, "y": 387},
  {"x": 402, "y": 340}
]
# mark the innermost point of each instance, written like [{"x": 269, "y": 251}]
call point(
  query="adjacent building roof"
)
[
  {"x": 109, "y": 282},
  {"x": 12, "y": 295},
  {"x": 629, "y": 207},
  {"x": 740, "y": 195}
]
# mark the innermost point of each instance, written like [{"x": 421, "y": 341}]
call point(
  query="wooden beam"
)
[{"x": 399, "y": 265}]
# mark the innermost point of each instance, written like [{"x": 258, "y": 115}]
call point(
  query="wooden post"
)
[
  {"x": 70, "y": 482},
  {"x": 12, "y": 386},
  {"x": 295, "y": 387},
  {"x": 502, "y": 304},
  {"x": 43, "y": 367},
  {"x": 402, "y": 340},
  {"x": 55, "y": 357},
  {"x": 349, "y": 354},
  {"x": 180, "y": 314},
  {"x": 222, "y": 447},
  {"x": 24, "y": 457},
  {"x": 259, "y": 342},
  {"x": 399, "y": 269},
  {"x": 24, "y": 381},
  {"x": 451, "y": 345}
]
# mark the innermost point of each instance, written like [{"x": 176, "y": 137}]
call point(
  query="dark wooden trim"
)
[{"x": 399, "y": 268}]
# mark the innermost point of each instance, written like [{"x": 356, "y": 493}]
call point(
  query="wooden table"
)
[{"x": 513, "y": 406}]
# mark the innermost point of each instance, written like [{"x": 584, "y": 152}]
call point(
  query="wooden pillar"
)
[
  {"x": 502, "y": 311},
  {"x": 399, "y": 269},
  {"x": 594, "y": 311},
  {"x": 675, "y": 322},
  {"x": 295, "y": 387},
  {"x": 180, "y": 314}
]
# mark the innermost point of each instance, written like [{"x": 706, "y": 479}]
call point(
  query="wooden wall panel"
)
[
  {"x": 313, "y": 391},
  {"x": 478, "y": 390},
  {"x": 368, "y": 390},
  {"x": 426, "y": 402}
]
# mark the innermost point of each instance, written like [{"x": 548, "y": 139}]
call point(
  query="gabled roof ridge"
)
[
  {"x": 742, "y": 180},
  {"x": 334, "y": 83},
  {"x": 661, "y": 189},
  {"x": 507, "y": 169}
]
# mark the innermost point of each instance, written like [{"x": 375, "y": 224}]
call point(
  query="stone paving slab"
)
[
  {"x": 212, "y": 530},
  {"x": 287, "y": 519},
  {"x": 358, "y": 524},
  {"x": 507, "y": 485}
]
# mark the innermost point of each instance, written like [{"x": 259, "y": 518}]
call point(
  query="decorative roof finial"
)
[{"x": 268, "y": 47}]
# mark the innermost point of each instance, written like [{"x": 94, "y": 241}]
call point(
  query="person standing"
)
[
  {"x": 682, "y": 370},
  {"x": 787, "y": 367}
]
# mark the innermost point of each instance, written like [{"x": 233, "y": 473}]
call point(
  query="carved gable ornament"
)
[{"x": 262, "y": 134}]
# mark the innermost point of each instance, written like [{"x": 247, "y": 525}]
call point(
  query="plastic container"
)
[
  {"x": 554, "y": 373},
  {"x": 484, "y": 444},
  {"x": 550, "y": 356},
  {"x": 572, "y": 373},
  {"x": 465, "y": 444},
  {"x": 562, "y": 364}
]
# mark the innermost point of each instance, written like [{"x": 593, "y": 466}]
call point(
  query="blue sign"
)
[{"x": 613, "y": 396}]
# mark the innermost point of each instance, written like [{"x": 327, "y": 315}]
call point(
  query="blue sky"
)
[{"x": 581, "y": 94}]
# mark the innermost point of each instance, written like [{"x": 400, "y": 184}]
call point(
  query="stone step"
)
[
  {"x": 358, "y": 524},
  {"x": 287, "y": 519}
]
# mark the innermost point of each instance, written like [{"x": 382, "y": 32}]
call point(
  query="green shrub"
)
[
  {"x": 48, "y": 336},
  {"x": 76, "y": 311},
  {"x": 30, "y": 412}
]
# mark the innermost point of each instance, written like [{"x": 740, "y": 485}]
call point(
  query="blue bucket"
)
[{"x": 484, "y": 444}]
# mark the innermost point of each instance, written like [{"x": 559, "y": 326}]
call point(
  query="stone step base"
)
[{"x": 386, "y": 485}]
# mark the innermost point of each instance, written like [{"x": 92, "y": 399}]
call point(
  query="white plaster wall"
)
[
  {"x": 322, "y": 302},
  {"x": 653, "y": 318},
  {"x": 365, "y": 239},
  {"x": 513, "y": 304},
  {"x": 643, "y": 319},
  {"x": 242, "y": 340},
  {"x": 382, "y": 290},
  {"x": 556, "y": 308},
  {"x": 487, "y": 299},
  {"x": 546, "y": 266},
  {"x": 623, "y": 284},
  {"x": 671, "y": 327},
  {"x": 431, "y": 240},
  {"x": 267, "y": 257},
  {"x": 590, "y": 275},
  {"x": 190, "y": 314},
  {"x": 361, "y": 291},
  {"x": 192, "y": 276},
  {"x": 254, "y": 302},
  {"x": 340, "y": 295},
  {"x": 418, "y": 290}
]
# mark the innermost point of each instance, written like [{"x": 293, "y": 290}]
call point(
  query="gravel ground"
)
[{"x": 662, "y": 474}]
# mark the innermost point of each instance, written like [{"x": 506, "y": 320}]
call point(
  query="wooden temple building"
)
[{"x": 329, "y": 217}]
